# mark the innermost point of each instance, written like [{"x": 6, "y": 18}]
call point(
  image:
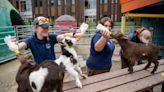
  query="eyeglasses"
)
[{"x": 44, "y": 19}]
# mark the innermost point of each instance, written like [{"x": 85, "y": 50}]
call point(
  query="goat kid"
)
[
  {"x": 135, "y": 52},
  {"x": 70, "y": 60},
  {"x": 44, "y": 77}
]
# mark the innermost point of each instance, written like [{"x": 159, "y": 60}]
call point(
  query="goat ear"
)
[
  {"x": 21, "y": 58},
  {"x": 123, "y": 35},
  {"x": 24, "y": 58},
  {"x": 29, "y": 56}
]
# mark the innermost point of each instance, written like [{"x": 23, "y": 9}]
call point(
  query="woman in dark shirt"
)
[{"x": 101, "y": 50}]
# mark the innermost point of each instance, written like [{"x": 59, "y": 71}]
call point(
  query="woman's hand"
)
[
  {"x": 11, "y": 42},
  {"x": 77, "y": 33},
  {"x": 105, "y": 33}
]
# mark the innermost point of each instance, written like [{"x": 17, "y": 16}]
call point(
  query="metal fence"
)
[
  {"x": 5, "y": 54},
  {"x": 22, "y": 32}
]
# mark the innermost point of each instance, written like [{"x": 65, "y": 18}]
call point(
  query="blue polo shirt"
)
[
  {"x": 100, "y": 60},
  {"x": 42, "y": 49}
]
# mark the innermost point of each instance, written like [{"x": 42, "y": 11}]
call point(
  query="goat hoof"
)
[
  {"x": 144, "y": 68},
  {"x": 152, "y": 72},
  {"x": 130, "y": 72},
  {"x": 78, "y": 84},
  {"x": 84, "y": 76}
]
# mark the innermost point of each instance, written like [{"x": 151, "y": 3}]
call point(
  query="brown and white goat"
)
[
  {"x": 135, "y": 52},
  {"x": 44, "y": 77}
]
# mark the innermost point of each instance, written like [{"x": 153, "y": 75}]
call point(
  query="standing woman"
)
[{"x": 101, "y": 50}]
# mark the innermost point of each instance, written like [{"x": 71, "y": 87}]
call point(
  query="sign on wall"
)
[{"x": 90, "y": 12}]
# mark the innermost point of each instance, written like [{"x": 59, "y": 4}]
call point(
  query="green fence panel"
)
[
  {"x": 5, "y": 53},
  {"x": 158, "y": 31}
]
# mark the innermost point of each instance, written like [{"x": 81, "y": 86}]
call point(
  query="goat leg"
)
[
  {"x": 74, "y": 73},
  {"x": 60, "y": 87},
  {"x": 131, "y": 64},
  {"x": 147, "y": 66},
  {"x": 78, "y": 69},
  {"x": 155, "y": 67}
]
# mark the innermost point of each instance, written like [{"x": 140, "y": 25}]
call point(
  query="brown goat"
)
[
  {"x": 135, "y": 52},
  {"x": 52, "y": 81}
]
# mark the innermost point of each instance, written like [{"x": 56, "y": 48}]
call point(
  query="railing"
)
[
  {"x": 23, "y": 31},
  {"x": 5, "y": 54}
]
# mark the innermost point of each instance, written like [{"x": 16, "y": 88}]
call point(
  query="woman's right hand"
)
[
  {"x": 11, "y": 42},
  {"x": 105, "y": 33}
]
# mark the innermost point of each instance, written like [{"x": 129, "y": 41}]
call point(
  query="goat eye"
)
[
  {"x": 147, "y": 38},
  {"x": 66, "y": 40}
]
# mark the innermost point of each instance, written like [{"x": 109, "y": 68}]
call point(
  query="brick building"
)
[{"x": 82, "y": 10}]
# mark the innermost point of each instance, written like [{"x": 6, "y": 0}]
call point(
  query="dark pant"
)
[{"x": 92, "y": 72}]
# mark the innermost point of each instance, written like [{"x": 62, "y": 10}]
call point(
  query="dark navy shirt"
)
[
  {"x": 42, "y": 49},
  {"x": 100, "y": 60},
  {"x": 133, "y": 37}
]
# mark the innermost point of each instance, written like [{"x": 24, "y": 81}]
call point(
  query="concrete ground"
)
[{"x": 9, "y": 69}]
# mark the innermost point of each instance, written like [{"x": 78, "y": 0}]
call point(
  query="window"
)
[
  {"x": 105, "y": 1},
  {"x": 59, "y": 2},
  {"x": 73, "y": 1},
  {"x": 23, "y": 6}
]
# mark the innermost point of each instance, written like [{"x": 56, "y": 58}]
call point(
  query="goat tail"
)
[{"x": 161, "y": 47}]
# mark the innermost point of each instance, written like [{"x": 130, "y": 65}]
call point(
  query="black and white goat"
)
[
  {"x": 44, "y": 77},
  {"x": 70, "y": 60}
]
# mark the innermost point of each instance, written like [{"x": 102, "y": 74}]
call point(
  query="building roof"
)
[{"x": 128, "y": 5}]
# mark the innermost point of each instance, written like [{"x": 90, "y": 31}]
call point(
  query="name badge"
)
[{"x": 48, "y": 45}]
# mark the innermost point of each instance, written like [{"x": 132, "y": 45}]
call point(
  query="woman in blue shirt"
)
[
  {"x": 42, "y": 43},
  {"x": 101, "y": 50}
]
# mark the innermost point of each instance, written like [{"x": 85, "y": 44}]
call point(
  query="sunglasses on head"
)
[
  {"x": 140, "y": 30},
  {"x": 44, "y": 19}
]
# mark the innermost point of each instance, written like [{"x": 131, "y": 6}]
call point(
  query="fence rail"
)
[{"x": 23, "y": 31}]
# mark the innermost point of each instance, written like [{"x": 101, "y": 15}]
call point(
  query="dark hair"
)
[{"x": 104, "y": 19}]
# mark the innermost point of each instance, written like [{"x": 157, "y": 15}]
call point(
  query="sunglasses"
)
[
  {"x": 44, "y": 19},
  {"x": 107, "y": 25}
]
